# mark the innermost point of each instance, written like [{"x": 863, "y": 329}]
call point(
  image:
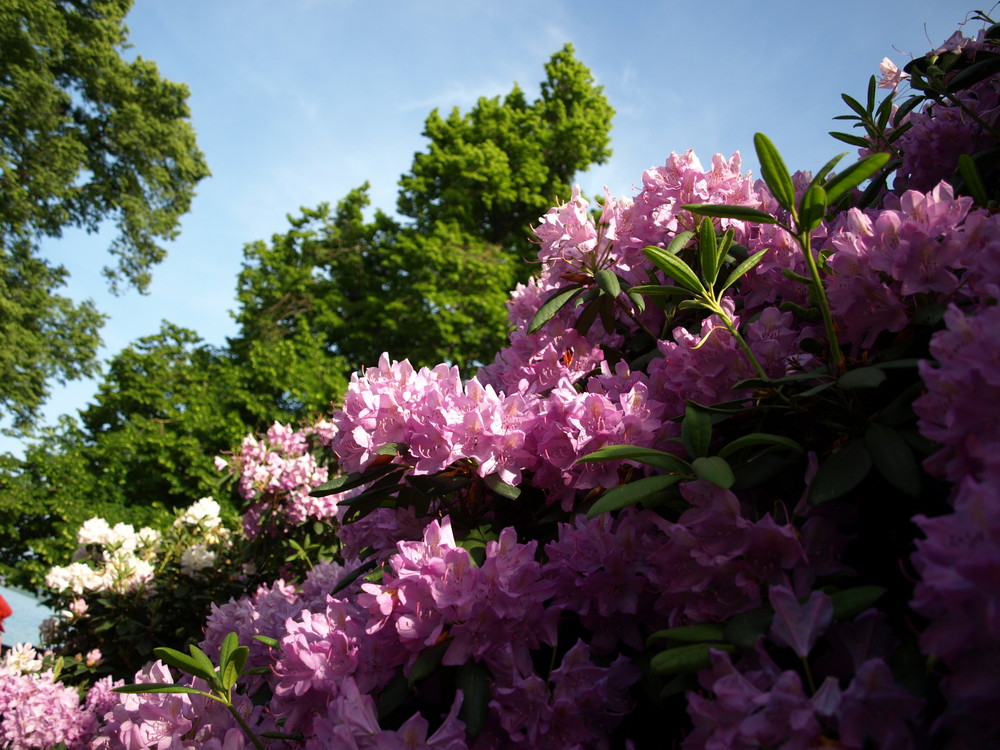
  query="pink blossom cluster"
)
[
  {"x": 36, "y": 711},
  {"x": 277, "y": 472},
  {"x": 438, "y": 420}
]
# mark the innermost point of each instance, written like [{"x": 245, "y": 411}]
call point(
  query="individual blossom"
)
[{"x": 891, "y": 76}]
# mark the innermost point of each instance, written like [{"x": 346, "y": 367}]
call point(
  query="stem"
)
[
  {"x": 805, "y": 242},
  {"x": 244, "y": 726},
  {"x": 809, "y": 677},
  {"x": 717, "y": 309}
]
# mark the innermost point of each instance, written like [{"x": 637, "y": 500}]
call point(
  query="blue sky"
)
[{"x": 296, "y": 102}]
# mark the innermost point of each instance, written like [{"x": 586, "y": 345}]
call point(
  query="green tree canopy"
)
[
  {"x": 86, "y": 137},
  {"x": 497, "y": 168}
]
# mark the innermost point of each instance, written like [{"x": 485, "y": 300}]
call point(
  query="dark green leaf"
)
[
  {"x": 854, "y": 175},
  {"x": 626, "y": 495},
  {"x": 587, "y": 316},
  {"x": 687, "y": 659},
  {"x": 855, "y": 105},
  {"x": 755, "y": 439},
  {"x": 674, "y": 268},
  {"x": 638, "y": 301},
  {"x": 744, "y": 629},
  {"x": 689, "y": 634},
  {"x": 973, "y": 183},
  {"x": 840, "y": 473},
  {"x": 714, "y": 469},
  {"x": 862, "y": 377},
  {"x": 893, "y": 458},
  {"x": 774, "y": 172},
  {"x": 978, "y": 71},
  {"x": 607, "y": 313},
  {"x": 744, "y": 268},
  {"x": 427, "y": 662},
  {"x": 871, "y": 94},
  {"x": 854, "y": 140},
  {"x": 555, "y": 302},
  {"x": 474, "y": 681},
  {"x": 723, "y": 211},
  {"x": 608, "y": 282},
  {"x": 679, "y": 241},
  {"x": 648, "y": 456},
  {"x": 696, "y": 431},
  {"x": 500, "y": 487},
  {"x": 660, "y": 290},
  {"x": 850, "y": 603},
  {"x": 347, "y": 482}
]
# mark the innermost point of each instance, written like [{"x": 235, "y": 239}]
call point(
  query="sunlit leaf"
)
[
  {"x": 853, "y": 176},
  {"x": 626, "y": 495},
  {"x": 813, "y": 208},
  {"x": 709, "y": 252},
  {"x": 774, "y": 172},
  {"x": 723, "y": 211},
  {"x": 744, "y": 268},
  {"x": 674, "y": 268},
  {"x": 553, "y": 305},
  {"x": 608, "y": 282}
]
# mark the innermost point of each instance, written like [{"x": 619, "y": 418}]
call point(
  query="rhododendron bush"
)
[{"x": 732, "y": 484}]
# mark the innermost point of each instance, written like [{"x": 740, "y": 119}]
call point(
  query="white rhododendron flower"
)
[{"x": 196, "y": 557}]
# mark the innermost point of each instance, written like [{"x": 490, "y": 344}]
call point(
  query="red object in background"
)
[{"x": 5, "y": 611}]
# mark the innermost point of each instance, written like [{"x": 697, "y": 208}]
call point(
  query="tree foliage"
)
[
  {"x": 86, "y": 137},
  {"x": 497, "y": 168}
]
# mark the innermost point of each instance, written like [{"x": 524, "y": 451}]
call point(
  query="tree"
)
[
  {"x": 86, "y": 136},
  {"x": 348, "y": 290},
  {"x": 431, "y": 289},
  {"x": 496, "y": 169}
]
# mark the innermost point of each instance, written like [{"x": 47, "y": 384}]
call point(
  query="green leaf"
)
[
  {"x": 716, "y": 470},
  {"x": 187, "y": 664},
  {"x": 608, "y": 282},
  {"x": 854, "y": 175},
  {"x": 688, "y": 634},
  {"x": 744, "y": 629},
  {"x": 267, "y": 641},
  {"x": 850, "y": 603},
  {"x": 978, "y": 71},
  {"x": 813, "y": 208},
  {"x": 862, "y": 377},
  {"x": 160, "y": 687},
  {"x": 229, "y": 677},
  {"x": 973, "y": 182},
  {"x": 696, "y": 431},
  {"x": 427, "y": 663},
  {"x": 840, "y": 473},
  {"x": 648, "y": 456},
  {"x": 723, "y": 211},
  {"x": 893, "y": 458},
  {"x": 588, "y": 315},
  {"x": 855, "y": 105},
  {"x": 500, "y": 487},
  {"x": 774, "y": 171},
  {"x": 675, "y": 268},
  {"x": 679, "y": 241},
  {"x": 827, "y": 168},
  {"x": 753, "y": 439},
  {"x": 555, "y": 302},
  {"x": 474, "y": 681},
  {"x": 637, "y": 300},
  {"x": 626, "y": 495},
  {"x": 347, "y": 482},
  {"x": 239, "y": 658},
  {"x": 744, "y": 268},
  {"x": 853, "y": 140},
  {"x": 230, "y": 643},
  {"x": 687, "y": 659},
  {"x": 709, "y": 253},
  {"x": 660, "y": 290}
]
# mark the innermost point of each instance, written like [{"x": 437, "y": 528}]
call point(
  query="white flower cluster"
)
[
  {"x": 22, "y": 659},
  {"x": 203, "y": 518},
  {"x": 195, "y": 558},
  {"x": 121, "y": 555}
]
